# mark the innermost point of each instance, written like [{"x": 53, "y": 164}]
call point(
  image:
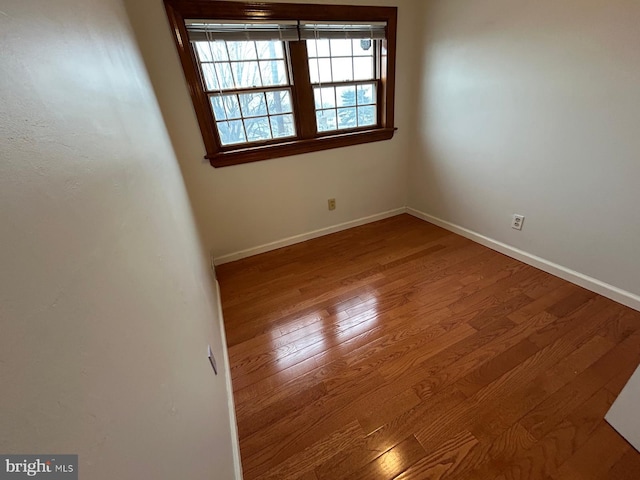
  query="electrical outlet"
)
[
  {"x": 212, "y": 359},
  {"x": 332, "y": 203},
  {"x": 517, "y": 222}
]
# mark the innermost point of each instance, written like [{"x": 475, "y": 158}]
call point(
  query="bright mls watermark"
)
[{"x": 50, "y": 467}]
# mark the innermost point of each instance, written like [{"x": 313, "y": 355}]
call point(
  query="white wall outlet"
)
[
  {"x": 212, "y": 360},
  {"x": 332, "y": 203},
  {"x": 517, "y": 222}
]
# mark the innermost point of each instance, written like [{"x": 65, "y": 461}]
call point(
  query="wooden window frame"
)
[{"x": 308, "y": 139}]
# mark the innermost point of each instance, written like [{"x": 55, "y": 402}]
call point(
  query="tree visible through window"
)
[
  {"x": 273, "y": 82},
  {"x": 237, "y": 77}
]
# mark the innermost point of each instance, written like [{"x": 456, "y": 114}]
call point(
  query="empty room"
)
[{"x": 342, "y": 239}]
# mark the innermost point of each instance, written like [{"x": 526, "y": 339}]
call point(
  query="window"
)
[{"x": 270, "y": 80}]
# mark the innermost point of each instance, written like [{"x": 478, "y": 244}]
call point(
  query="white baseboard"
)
[
  {"x": 285, "y": 242},
  {"x": 614, "y": 293},
  {"x": 235, "y": 442}
]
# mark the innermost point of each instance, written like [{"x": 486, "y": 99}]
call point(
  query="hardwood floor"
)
[{"x": 400, "y": 350}]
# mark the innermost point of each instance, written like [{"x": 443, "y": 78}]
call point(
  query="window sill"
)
[{"x": 295, "y": 147}]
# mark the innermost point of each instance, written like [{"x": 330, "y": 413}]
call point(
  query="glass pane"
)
[
  {"x": 242, "y": 50},
  {"x": 215, "y": 72},
  {"x": 318, "y": 48},
  {"x": 362, "y": 47},
  {"x": 246, "y": 74},
  {"x": 202, "y": 49},
  {"x": 363, "y": 68},
  {"x": 311, "y": 48},
  {"x": 342, "y": 69},
  {"x": 366, "y": 94},
  {"x": 279, "y": 101},
  {"x": 367, "y": 116},
  {"x": 314, "y": 77},
  {"x": 225, "y": 107},
  {"x": 326, "y": 120},
  {"x": 346, "y": 95},
  {"x": 282, "y": 126},
  {"x": 257, "y": 129},
  {"x": 270, "y": 49},
  {"x": 340, "y": 48},
  {"x": 209, "y": 74},
  {"x": 210, "y": 51},
  {"x": 325, "y": 97},
  {"x": 325, "y": 70},
  {"x": 231, "y": 132},
  {"x": 347, "y": 118},
  {"x": 273, "y": 72},
  {"x": 253, "y": 104}
]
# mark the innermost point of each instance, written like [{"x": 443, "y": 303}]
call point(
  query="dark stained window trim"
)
[{"x": 310, "y": 141}]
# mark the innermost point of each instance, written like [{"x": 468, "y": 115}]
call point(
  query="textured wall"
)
[
  {"x": 106, "y": 304},
  {"x": 533, "y": 108}
]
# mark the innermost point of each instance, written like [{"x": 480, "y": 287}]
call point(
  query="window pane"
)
[
  {"x": 311, "y": 48},
  {"x": 279, "y": 101},
  {"x": 363, "y": 68},
  {"x": 273, "y": 72},
  {"x": 318, "y": 48},
  {"x": 342, "y": 69},
  {"x": 347, "y": 118},
  {"x": 282, "y": 126},
  {"x": 210, "y": 51},
  {"x": 340, "y": 48},
  {"x": 367, "y": 116},
  {"x": 363, "y": 47},
  {"x": 366, "y": 94},
  {"x": 325, "y": 70},
  {"x": 346, "y": 96},
  {"x": 225, "y": 107},
  {"x": 253, "y": 104},
  {"x": 314, "y": 77},
  {"x": 246, "y": 74},
  {"x": 269, "y": 50},
  {"x": 242, "y": 50},
  {"x": 202, "y": 49},
  {"x": 325, "y": 97},
  {"x": 326, "y": 120},
  {"x": 209, "y": 74},
  {"x": 214, "y": 73},
  {"x": 231, "y": 132},
  {"x": 257, "y": 129}
]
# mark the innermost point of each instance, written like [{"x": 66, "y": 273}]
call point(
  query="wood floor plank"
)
[
  {"x": 627, "y": 468},
  {"x": 562, "y": 401},
  {"x": 400, "y": 350},
  {"x": 542, "y": 303},
  {"x": 438, "y": 464},
  {"x": 491, "y": 459},
  {"x": 596, "y": 457},
  {"x": 391, "y": 433},
  {"x": 304, "y": 462},
  {"x": 391, "y": 463},
  {"x": 381, "y": 411},
  {"x": 249, "y": 424}
]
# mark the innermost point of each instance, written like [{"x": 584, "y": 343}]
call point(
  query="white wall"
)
[
  {"x": 106, "y": 302},
  {"x": 534, "y": 108},
  {"x": 245, "y": 206}
]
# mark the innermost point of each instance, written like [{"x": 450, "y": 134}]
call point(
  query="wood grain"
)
[{"x": 400, "y": 350}]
